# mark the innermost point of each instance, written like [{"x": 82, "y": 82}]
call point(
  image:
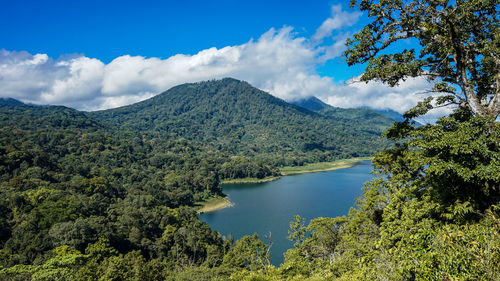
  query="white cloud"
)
[
  {"x": 275, "y": 58},
  {"x": 117, "y": 101},
  {"x": 279, "y": 62},
  {"x": 82, "y": 83},
  {"x": 339, "y": 19},
  {"x": 380, "y": 96}
]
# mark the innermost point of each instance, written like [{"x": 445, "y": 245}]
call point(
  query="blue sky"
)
[
  {"x": 108, "y": 29},
  {"x": 101, "y": 54}
]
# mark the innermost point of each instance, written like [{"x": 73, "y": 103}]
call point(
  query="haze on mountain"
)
[{"x": 314, "y": 104}]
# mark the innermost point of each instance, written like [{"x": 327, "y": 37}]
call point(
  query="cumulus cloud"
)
[
  {"x": 380, "y": 96},
  {"x": 83, "y": 81},
  {"x": 277, "y": 57},
  {"x": 339, "y": 19},
  {"x": 279, "y": 62}
]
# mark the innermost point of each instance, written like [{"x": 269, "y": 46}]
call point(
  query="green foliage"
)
[
  {"x": 238, "y": 119},
  {"x": 249, "y": 253},
  {"x": 459, "y": 50},
  {"x": 82, "y": 201},
  {"x": 433, "y": 215},
  {"x": 66, "y": 181},
  {"x": 297, "y": 230},
  {"x": 241, "y": 167},
  {"x": 311, "y": 103},
  {"x": 433, "y": 212}
]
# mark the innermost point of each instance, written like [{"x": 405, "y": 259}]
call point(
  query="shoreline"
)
[
  {"x": 214, "y": 204},
  {"x": 323, "y": 166},
  {"x": 218, "y": 203},
  {"x": 251, "y": 180}
]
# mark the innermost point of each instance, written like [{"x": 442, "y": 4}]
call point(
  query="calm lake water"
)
[{"x": 269, "y": 207}]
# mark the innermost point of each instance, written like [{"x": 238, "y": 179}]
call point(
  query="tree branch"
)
[{"x": 471, "y": 98}]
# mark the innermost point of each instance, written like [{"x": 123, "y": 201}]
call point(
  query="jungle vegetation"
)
[
  {"x": 84, "y": 198},
  {"x": 234, "y": 117},
  {"x": 82, "y": 201}
]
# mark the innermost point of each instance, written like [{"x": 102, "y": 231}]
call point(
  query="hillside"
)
[
  {"x": 244, "y": 120},
  {"x": 9, "y": 102},
  {"x": 311, "y": 103},
  {"x": 396, "y": 116},
  {"x": 76, "y": 183},
  {"x": 66, "y": 179},
  {"x": 377, "y": 121},
  {"x": 315, "y": 104}
]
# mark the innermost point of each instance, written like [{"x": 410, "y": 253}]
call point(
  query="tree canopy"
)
[
  {"x": 234, "y": 117},
  {"x": 82, "y": 201},
  {"x": 459, "y": 51}
]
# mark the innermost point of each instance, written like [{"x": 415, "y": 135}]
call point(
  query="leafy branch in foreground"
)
[{"x": 460, "y": 50}]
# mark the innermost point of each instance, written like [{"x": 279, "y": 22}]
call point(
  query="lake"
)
[{"x": 269, "y": 207}]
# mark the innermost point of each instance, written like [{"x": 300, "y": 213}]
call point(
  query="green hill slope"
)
[
  {"x": 243, "y": 120},
  {"x": 311, "y": 103}
]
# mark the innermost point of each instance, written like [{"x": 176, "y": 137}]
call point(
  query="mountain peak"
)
[
  {"x": 10, "y": 101},
  {"x": 245, "y": 120},
  {"x": 222, "y": 81},
  {"x": 311, "y": 103}
]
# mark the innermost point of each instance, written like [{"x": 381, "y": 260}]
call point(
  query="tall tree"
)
[{"x": 460, "y": 50}]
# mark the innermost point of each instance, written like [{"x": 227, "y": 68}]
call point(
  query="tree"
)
[
  {"x": 249, "y": 252},
  {"x": 460, "y": 50},
  {"x": 434, "y": 212}
]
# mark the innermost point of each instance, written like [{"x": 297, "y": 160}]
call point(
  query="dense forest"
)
[
  {"x": 80, "y": 202},
  {"x": 242, "y": 120},
  {"x": 112, "y": 195},
  {"x": 83, "y": 197}
]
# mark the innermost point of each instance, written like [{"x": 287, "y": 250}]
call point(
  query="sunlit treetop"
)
[{"x": 460, "y": 50}]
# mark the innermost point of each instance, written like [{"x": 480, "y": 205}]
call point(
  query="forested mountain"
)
[
  {"x": 95, "y": 187},
  {"x": 110, "y": 195},
  {"x": 68, "y": 180},
  {"x": 243, "y": 120},
  {"x": 82, "y": 200},
  {"x": 378, "y": 122},
  {"x": 315, "y": 104},
  {"x": 9, "y": 101},
  {"x": 127, "y": 179},
  {"x": 396, "y": 116},
  {"x": 311, "y": 103}
]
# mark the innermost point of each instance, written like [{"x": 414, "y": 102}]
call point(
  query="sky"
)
[{"x": 93, "y": 55}]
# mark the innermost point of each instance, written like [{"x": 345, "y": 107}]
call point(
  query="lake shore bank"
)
[
  {"x": 214, "y": 204},
  {"x": 251, "y": 180},
  {"x": 323, "y": 166}
]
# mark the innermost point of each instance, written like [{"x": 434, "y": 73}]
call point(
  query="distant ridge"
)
[
  {"x": 10, "y": 101},
  {"x": 396, "y": 116},
  {"x": 312, "y": 103}
]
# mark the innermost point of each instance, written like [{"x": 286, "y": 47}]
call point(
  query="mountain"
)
[
  {"x": 243, "y": 120},
  {"x": 311, "y": 103},
  {"x": 315, "y": 104},
  {"x": 379, "y": 118},
  {"x": 126, "y": 181},
  {"x": 10, "y": 102},
  {"x": 394, "y": 115},
  {"x": 62, "y": 172},
  {"x": 377, "y": 121},
  {"x": 27, "y": 117}
]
